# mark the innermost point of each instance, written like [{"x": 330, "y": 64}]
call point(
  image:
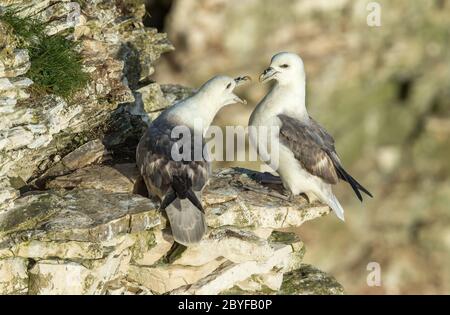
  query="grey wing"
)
[
  {"x": 177, "y": 183},
  {"x": 157, "y": 167},
  {"x": 327, "y": 139},
  {"x": 153, "y": 162},
  {"x": 314, "y": 148},
  {"x": 310, "y": 146}
]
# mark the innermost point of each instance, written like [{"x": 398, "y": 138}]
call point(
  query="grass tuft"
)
[
  {"x": 26, "y": 29},
  {"x": 56, "y": 65}
]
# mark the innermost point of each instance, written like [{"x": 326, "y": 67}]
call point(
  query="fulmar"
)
[
  {"x": 172, "y": 160},
  {"x": 306, "y": 157}
]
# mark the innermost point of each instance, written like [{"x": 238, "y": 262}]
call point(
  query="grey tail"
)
[
  {"x": 185, "y": 211},
  {"x": 187, "y": 222},
  {"x": 336, "y": 207}
]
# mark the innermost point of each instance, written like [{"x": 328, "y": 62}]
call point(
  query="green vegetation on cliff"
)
[{"x": 56, "y": 64}]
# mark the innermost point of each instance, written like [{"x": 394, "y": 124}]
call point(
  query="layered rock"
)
[
  {"x": 118, "y": 53},
  {"x": 108, "y": 240},
  {"x": 74, "y": 216}
]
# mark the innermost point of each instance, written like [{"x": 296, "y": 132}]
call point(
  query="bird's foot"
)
[
  {"x": 267, "y": 178},
  {"x": 267, "y": 192},
  {"x": 310, "y": 197},
  {"x": 305, "y": 195},
  {"x": 159, "y": 209},
  {"x": 174, "y": 252},
  {"x": 290, "y": 196}
]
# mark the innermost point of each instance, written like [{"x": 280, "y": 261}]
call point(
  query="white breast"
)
[{"x": 294, "y": 177}]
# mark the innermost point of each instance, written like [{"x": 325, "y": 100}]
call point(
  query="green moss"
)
[
  {"x": 16, "y": 182},
  {"x": 56, "y": 65},
  {"x": 26, "y": 29},
  {"x": 284, "y": 237},
  {"x": 236, "y": 290},
  {"x": 309, "y": 280},
  {"x": 28, "y": 216},
  {"x": 279, "y": 217},
  {"x": 145, "y": 241},
  {"x": 88, "y": 282},
  {"x": 175, "y": 252}
]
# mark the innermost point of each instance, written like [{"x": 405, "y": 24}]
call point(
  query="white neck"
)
[
  {"x": 288, "y": 98},
  {"x": 198, "y": 111}
]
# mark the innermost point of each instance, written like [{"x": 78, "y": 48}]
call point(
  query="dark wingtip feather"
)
[
  {"x": 193, "y": 198},
  {"x": 353, "y": 182},
  {"x": 182, "y": 186},
  {"x": 357, "y": 187},
  {"x": 365, "y": 190},
  {"x": 347, "y": 177},
  {"x": 168, "y": 199}
]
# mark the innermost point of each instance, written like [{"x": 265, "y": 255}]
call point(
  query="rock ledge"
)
[{"x": 101, "y": 241}]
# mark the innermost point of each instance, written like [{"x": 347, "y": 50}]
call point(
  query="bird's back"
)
[
  {"x": 178, "y": 182},
  {"x": 157, "y": 166}
]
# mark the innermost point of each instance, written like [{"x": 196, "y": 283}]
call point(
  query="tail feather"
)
[
  {"x": 336, "y": 206},
  {"x": 184, "y": 211},
  {"x": 187, "y": 223},
  {"x": 360, "y": 187}
]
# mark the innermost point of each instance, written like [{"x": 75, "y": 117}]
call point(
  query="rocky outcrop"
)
[
  {"x": 118, "y": 54},
  {"x": 107, "y": 240},
  {"x": 74, "y": 214}
]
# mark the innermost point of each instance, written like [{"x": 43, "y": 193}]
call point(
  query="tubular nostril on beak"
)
[
  {"x": 242, "y": 80},
  {"x": 267, "y": 70},
  {"x": 267, "y": 74}
]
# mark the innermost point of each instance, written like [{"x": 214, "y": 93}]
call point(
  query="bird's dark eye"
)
[
  {"x": 229, "y": 85},
  {"x": 284, "y": 66}
]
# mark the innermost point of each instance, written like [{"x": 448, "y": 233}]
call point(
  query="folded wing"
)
[
  {"x": 314, "y": 148},
  {"x": 177, "y": 183}
]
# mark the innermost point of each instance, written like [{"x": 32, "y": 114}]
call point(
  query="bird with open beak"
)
[{"x": 179, "y": 183}]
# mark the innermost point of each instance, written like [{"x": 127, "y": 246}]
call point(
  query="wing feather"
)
[
  {"x": 314, "y": 148},
  {"x": 156, "y": 165},
  {"x": 309, "y": 145}
]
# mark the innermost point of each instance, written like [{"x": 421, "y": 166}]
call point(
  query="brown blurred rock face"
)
[{"x": 381, "y": 91}]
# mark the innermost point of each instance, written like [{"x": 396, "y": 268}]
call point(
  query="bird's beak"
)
[
  {"x": 267, "y": 75},
  {"x": 239, "y": 81},
  {"x": 242, "y": 80},
  {"x": 237, "y": 99}
]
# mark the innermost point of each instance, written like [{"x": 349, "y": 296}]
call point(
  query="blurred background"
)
[{"x": 382, "y": 92}]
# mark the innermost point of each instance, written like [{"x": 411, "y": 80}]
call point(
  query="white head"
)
[
  {"x": 286, "y": 68},
  {"x": 219, "y": 90}
]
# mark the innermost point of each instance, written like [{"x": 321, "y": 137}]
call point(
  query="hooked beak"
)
[
  {"x": 242, "y": 80},
  {"x": 267, "y": 75},
  {"x": 237, "y": 99},
  {"x": 239, "y": 81}
]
